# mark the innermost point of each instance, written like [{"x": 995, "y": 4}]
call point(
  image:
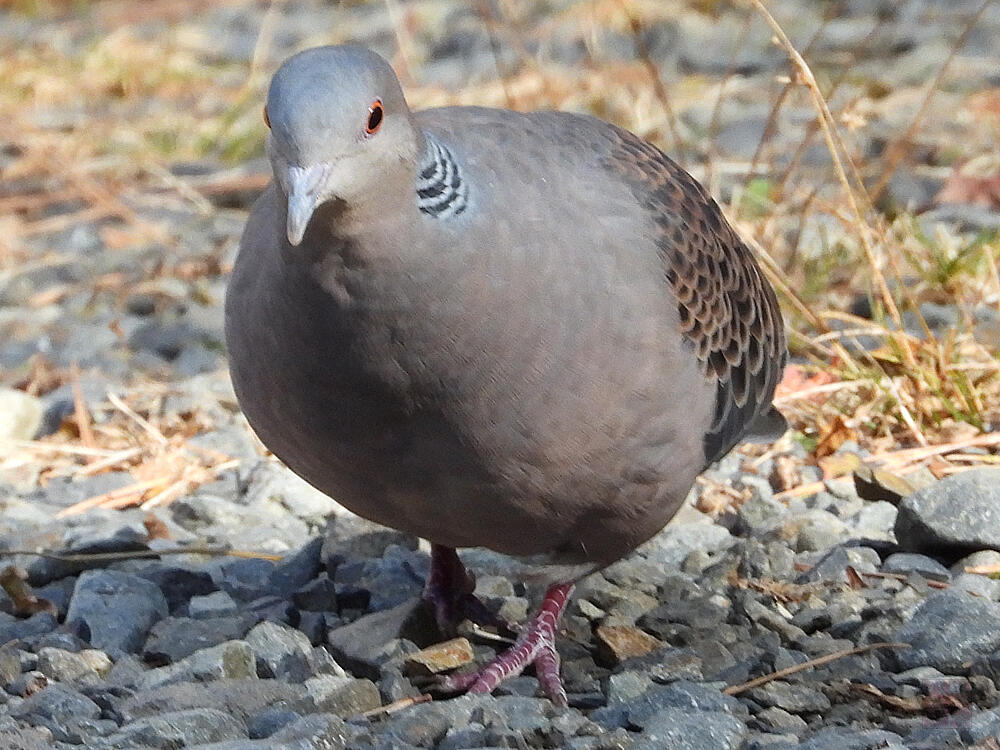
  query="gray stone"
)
[
  {"x": 625, "y": 685},
  {"x": 117, "y": 608},
  {"x": 792, "y": 697},
  {"x": 876, "y": 520},
  {"x": 270, "y": 720},
  {"x": 317, "y": 732},
  {"x": 833, "y": 565},
  {"x": 948, "y": 631},
  {"x": 27, "y": 683},
  {"x": 232, "y": 659},
  {"x": 296, "y": 570},
  {"x": 349, "y": 536},
  {"x": 216, "y": 604},
  {"x": 980, "y": 727},
  {"x": 318, "y": 595},
  {"x": 25, "y": 738},
  {"x": 679, "y": 539},
  {"x": 363, "y": 646},
  {"x": 666, "y": 664},
  {"x": 778, "y": 720},
  {"x": 65, "y": 666},
  {"x": 245, "y": 579},
  {"x": 10, "y": 664},
  {"x": 759, "y": 514},
  {"x": 818, "y": 530},
  {"x": 270, "y": 483},
  {"x": 57, "y": 702},
  {"x": 37, "y": 624},
  {"x": 767, "y": 617},
  {"x": 682, "y": 729},
  {"x": 391, "y": 580},
  {"x": 175, "y": 729},
  {"x": 281, "y": 652},
  {"x": 240, "y": 698},
  {"x": 959, "y": 513},
  {"x": 691, "y": 697},
  {"x": 988, "y": 588},
  {"x": 179, "y": 584},
  {"x": 343, "y": 696},
  {"x": 426, "y": 724},
  {"x": 176, "y": 638},
  {"x": 847, "y": 738},
  {"x": 906, "y": 562}
]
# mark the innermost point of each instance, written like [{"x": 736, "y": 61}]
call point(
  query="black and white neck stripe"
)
[{"x": 442, "y": 191}]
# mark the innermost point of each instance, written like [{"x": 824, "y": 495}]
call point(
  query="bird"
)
[{"x": 528, "y": 332}]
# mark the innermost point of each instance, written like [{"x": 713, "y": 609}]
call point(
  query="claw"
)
[{"x": 535, "y": 645}]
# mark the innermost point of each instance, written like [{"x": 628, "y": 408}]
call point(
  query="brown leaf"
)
[
  {"x": 15, "y": 582},
  {"x": 155, "y": 528},
  {"x": 835, "y": 435},
  {"x": 853, "y": 579}
]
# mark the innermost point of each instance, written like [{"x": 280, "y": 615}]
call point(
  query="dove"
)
[{"x": 528, "y": 332}]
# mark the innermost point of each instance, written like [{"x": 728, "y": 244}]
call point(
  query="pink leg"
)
[
  {"x": 449, "y": 590},
  {"x": 535, "y": 645}
]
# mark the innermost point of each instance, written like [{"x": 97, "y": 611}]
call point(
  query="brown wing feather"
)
[{"x": 728, "y": 311}]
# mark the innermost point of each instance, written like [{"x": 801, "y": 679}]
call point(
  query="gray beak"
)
[{"x": 305, "y": 192}]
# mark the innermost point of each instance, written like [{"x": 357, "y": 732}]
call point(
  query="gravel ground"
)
[{"x": 202, "y": 650}]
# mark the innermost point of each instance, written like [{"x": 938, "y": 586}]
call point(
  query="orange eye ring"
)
[
  {"x": 376, "y": 114},
  {"x": 267, "y": 120}
]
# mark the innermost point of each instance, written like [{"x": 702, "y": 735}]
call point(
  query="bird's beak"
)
[{"x": 305, "y": 192}]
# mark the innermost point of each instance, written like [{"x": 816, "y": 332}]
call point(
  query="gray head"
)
[{"x": 340, "y": 130}]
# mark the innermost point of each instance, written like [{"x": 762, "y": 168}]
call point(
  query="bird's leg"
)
[
  {"x": 449, "y": 590},
  {"x": 535, "y": 645}
]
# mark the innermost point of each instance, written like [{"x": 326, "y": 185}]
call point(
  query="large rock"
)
[
  {"x": 949, "y": 631},
  {"x": 174, "y": 729},
  {"x": 117, "y": 608},
  {"x": 239, "y": 698},
  {"x": 229, "y": 660},
  {"x": 960, "y": 513},
  {"x": 683, "y": 729}
]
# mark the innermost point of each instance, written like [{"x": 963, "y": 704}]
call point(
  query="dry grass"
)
[{"x": 91, "y": 129}]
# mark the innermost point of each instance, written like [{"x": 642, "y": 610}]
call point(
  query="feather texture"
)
[{"x": 728, "y": 312}]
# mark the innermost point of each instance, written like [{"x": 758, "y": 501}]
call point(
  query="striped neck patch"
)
[{"x": 442, "y": 192}]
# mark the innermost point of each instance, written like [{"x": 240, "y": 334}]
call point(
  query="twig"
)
[
  {"x": 127, "y": 410},
  {"x": 106, "y": 463},
  {"x": 983, "y": 570},
  {"x": 900, "y": 577},
  {"x": 659, "y": 90},
  {"x": 817, "y": 662},
  {"x": 140, "y": 554},
  {"x": 112, "y": 497},
  {"x": 828, "y": 126},
  {"x": 391, "y": 708}
]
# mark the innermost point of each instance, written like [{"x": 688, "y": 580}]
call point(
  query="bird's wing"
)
[{"x": 728, "y": 312}]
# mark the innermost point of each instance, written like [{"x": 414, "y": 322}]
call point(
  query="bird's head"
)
[{"x": 339, "y": 130}]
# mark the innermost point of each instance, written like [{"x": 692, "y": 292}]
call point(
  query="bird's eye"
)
[
  {"x": 376, "y": 113},
  {"x": 267, "y": 120}
]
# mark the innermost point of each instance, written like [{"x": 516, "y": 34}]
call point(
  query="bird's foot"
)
[
  {"x": 449, "y": 590},
  {"x": 535, "y": 645}
]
